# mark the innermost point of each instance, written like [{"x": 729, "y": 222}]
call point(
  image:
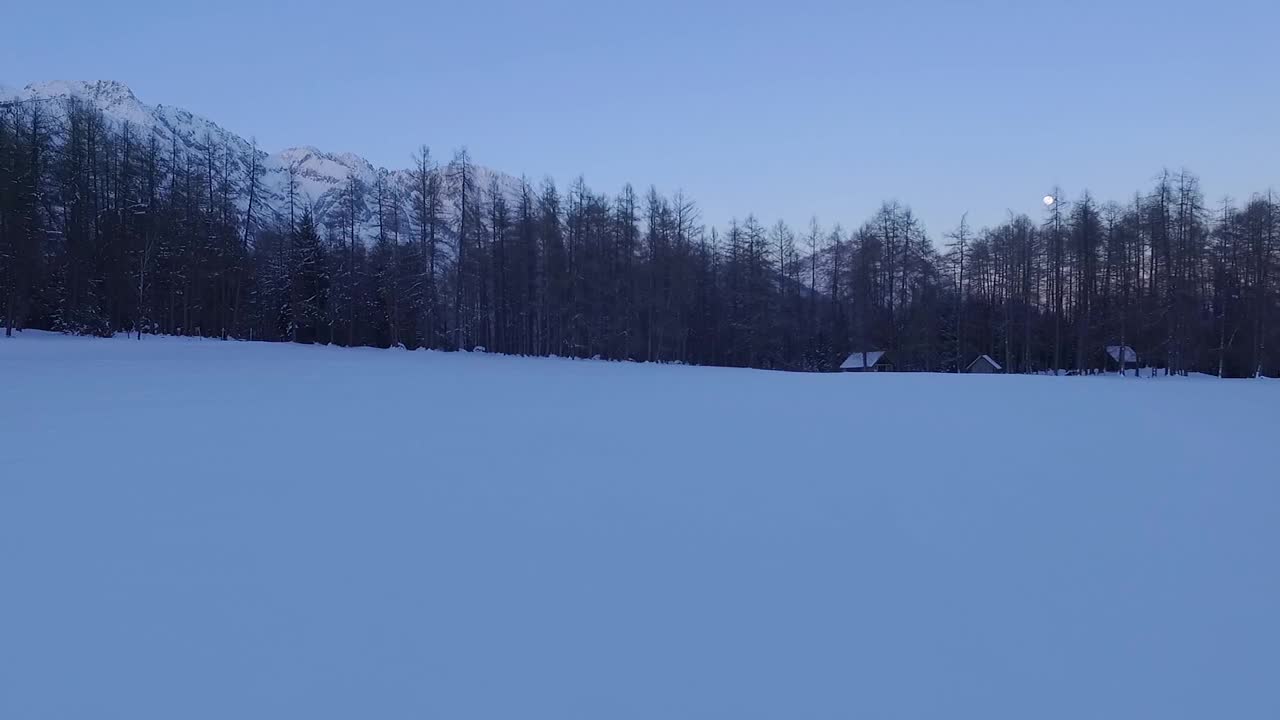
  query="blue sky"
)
[{"x": 787, "y": 110}]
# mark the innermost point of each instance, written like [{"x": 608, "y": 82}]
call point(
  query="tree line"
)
[{"x": 107, "y": 229}]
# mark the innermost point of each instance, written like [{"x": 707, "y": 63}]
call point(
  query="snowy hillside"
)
[
  {"x": 321, "y": 176},
  {"x": 200, "y": 529}
]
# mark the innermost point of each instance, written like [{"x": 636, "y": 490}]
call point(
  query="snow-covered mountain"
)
[{"x": 320, "y": 176}]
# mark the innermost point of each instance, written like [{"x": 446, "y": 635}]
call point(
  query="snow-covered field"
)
[{"x": 198, "y": 529}]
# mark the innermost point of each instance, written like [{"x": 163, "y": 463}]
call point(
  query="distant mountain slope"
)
[{"x": 320, "y": 176}]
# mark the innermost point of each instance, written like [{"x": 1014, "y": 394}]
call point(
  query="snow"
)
[
  {"x": 855, "y": 360},
  {"x": 201, "y": 529}
]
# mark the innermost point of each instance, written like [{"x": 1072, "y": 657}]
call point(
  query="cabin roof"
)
[
  {"x": 988, "y": 358},
  {"x": 854, "y": 361},
  {"x": 1115, "y": 351}
]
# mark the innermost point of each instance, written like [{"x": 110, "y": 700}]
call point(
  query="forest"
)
[{"x": 106, "y": 229}]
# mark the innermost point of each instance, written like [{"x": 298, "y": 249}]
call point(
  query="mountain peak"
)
[
  {"x": 111, "y": 96},
  {"x": 298, "y": 153},
  {"x": 301, "y": 153},
  {"x": 106, "y": 91}
]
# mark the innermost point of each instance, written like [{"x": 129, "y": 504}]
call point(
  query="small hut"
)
[
  {"x": 984, "y": 365},
  {"x": 1121, "y": 357},
  {"x": 866, "y": 361}
]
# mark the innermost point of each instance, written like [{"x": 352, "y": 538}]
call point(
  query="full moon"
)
[{"x": 1049, "y": 200}]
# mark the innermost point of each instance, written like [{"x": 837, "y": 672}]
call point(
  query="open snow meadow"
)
[{"x": 211, "y": 530}]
